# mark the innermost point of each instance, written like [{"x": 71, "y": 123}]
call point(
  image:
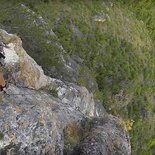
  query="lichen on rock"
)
[{"x": 42, "y": 115}]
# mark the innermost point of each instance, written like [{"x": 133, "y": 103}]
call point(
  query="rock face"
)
[
  {"x": 62, "y": 66},
  {"x": 105, "y": 136},
  {"x": 24, "y": 70},
  {"x": 40, "y": 115}
]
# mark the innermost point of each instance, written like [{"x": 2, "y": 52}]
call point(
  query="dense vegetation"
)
[{"x": 119, "y": 52}]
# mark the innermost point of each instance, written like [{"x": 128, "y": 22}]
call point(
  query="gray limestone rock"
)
[
  {"x": 40, "y": 115},
  {"x": 104, "y": 136}
]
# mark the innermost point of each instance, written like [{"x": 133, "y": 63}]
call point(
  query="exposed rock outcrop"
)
[
  {"x": 58, "y": 64},
  {"x": 105, "y": 136},
  {"x": 41, "y": 115}
]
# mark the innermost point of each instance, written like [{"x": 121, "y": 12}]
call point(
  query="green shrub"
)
[
  {"x": 119, "y": 52},
  {"x": 1, "y": 136}
]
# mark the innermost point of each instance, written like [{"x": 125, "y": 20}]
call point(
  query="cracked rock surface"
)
[{"x": 40, "y": 115}]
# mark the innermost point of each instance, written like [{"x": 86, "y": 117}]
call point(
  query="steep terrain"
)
[
  {"x": 40, "y": 115},
  {"x": 105, "y": 46}
]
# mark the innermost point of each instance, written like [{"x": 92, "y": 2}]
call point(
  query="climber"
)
[{"x": 3, "y": 83}]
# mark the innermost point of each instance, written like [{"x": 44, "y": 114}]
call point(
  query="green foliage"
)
[
  {"x": 72, "y": 137},
  {"x": 27, "y": 25},
  {"x": 1, "y": 136},
  {"x": 121, "y": 60},
  {"x": 118, "y": 52}
]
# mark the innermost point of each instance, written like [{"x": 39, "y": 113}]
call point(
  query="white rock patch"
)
[{"x": 10, "y": 54}]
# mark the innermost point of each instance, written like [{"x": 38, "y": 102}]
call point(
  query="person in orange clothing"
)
[{"x": 3, "y": 83}]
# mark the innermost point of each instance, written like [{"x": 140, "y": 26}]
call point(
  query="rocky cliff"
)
[{"x": 45, "y": 116}]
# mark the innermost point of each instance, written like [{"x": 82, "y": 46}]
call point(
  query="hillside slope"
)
[
  {"x": 106, "y": 46},
  {"x": 45, "y": 116}
]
